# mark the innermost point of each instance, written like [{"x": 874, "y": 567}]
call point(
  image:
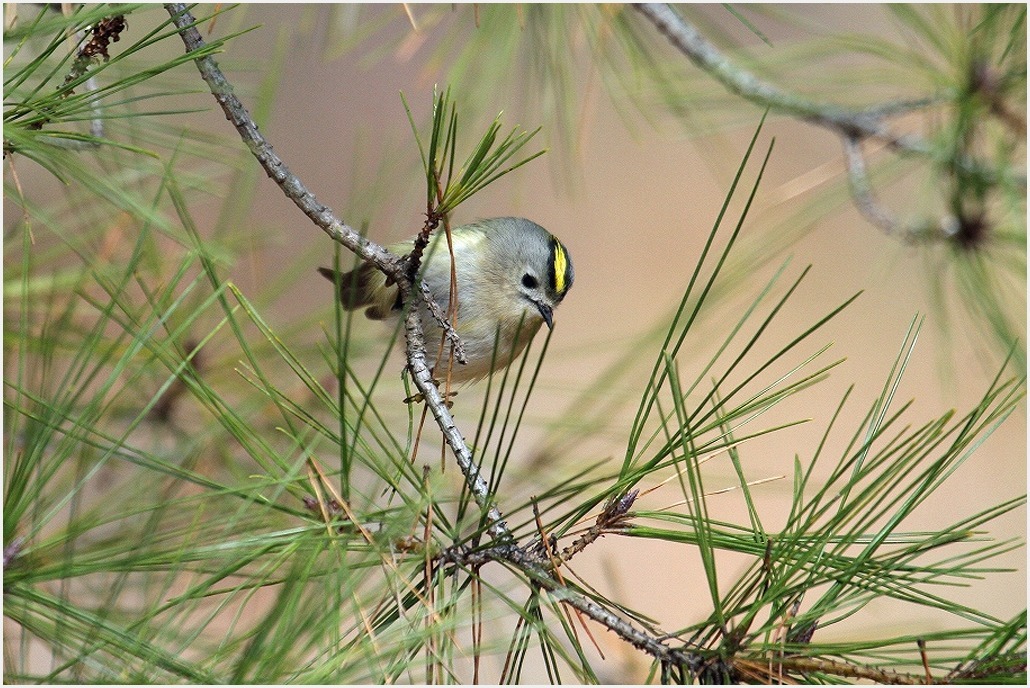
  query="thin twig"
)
[
  {"x": 613, "y": 622},
  {"x": 926, "y": 661},
  {"x": 805, "y": 665},
  {"x": 423, "y": 379},
  {"x": 611, "y": 520},
  {"x": 876, "y": 213},
  {"x": 538, "y": 568},
  {"x": 861, "y": 190},
  {"x": 290, "y": 184},
  {"x": 903, "y": 106},
  {"x": 441, "y": 319}
]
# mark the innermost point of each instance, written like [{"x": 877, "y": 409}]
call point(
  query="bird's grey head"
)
[{"x": 536, "y": 264}]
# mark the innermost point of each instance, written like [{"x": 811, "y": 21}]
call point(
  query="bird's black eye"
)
[{"x": 529, "y": 282}]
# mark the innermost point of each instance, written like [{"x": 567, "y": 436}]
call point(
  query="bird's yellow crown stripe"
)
[{"x": 561, "y": 264}]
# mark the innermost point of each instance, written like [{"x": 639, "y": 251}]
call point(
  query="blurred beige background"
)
[{"x": 635, "y": 216}]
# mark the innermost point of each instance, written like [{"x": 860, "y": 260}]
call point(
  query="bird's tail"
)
[{"x": 364, "y": 286}]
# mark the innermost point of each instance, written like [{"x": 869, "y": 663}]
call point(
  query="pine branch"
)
[{"x": 852, "y": 125}]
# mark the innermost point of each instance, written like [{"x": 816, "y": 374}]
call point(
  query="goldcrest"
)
[{"x": 511, "y": 275}]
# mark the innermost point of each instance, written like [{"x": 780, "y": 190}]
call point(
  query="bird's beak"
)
[{"x": 546, "y": 312}]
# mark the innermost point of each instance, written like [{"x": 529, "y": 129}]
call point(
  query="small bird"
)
[{"x": 511, "y": 275}]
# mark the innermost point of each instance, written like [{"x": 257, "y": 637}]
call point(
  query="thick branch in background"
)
[{"x": 853, "y": 126}]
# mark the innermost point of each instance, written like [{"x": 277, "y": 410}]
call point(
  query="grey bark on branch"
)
[
  {"x": 688, "y": 40},
  {"x": 852, "y": 125}
]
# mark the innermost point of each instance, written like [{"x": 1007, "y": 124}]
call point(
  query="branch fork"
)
[{"x": 853, "y": 126}]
